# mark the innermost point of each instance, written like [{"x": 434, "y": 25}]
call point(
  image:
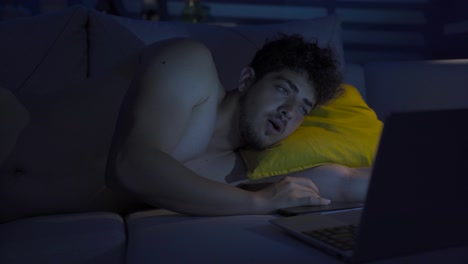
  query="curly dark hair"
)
[{"x": 294, "y": 53}]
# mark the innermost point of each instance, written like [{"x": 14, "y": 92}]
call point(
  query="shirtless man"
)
[{"x": 179, "y": 131}]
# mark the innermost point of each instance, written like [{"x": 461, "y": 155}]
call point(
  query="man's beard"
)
[{"x": 247, "y": 130}]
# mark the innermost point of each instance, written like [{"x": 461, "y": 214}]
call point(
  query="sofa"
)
[{"x": 70, "y": 70}]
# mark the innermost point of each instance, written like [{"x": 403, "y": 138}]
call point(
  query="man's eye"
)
[
  {"x": 303, "y": 110},
  {"x": 282, "y": 90}
]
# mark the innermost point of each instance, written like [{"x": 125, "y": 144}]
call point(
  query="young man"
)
[{"x": 179, "y": 131}]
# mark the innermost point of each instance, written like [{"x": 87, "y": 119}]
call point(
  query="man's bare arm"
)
[
  {"x": 142, "y": 161},
  {"x": 335, "y": 182},
  {"x": 338, "y": 182}
]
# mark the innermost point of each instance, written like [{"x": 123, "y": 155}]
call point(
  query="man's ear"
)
[{"x": 247, "y": 78}]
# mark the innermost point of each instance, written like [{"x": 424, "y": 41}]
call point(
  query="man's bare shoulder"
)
[
  {"x": 183, "y": 65},
  {"x": 175, "y": 77},
  {"x": 186, "y": 48}
]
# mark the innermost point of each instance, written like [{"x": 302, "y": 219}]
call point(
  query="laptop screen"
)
[{"x": 418, "y": 194}]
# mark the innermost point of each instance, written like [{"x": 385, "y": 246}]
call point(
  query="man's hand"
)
[
  {"x": 336, "y": 182},
  {"x": 289, "y": 192}
]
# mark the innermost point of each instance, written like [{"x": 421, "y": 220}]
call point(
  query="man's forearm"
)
[
  {"x": 356, "y": 184},
  {"x": 342, "y": 183},
  {"x": 338, "y": 182},
  {"x": 162, "y": 181}
]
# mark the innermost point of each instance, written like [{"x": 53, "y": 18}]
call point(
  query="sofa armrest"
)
[{"x": 416, "y": 85}]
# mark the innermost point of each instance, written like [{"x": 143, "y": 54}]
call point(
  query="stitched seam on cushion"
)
[
  {"x": 47, "y": 53},
  {"x": 244, "y": 37}
]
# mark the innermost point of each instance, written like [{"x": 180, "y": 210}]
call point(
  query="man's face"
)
[{"x": 274, "y": 107}]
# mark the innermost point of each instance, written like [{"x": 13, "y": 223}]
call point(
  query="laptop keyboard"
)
[{"x": 342, "y": 237}]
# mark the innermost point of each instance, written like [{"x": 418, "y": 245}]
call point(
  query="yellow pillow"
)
[{"x": 345, "y": 132}]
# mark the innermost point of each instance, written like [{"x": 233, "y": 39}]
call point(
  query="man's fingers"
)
[
  {"x": 292, "y": 192},
  {"x": 312, "y": 200},
  {"x": 318, "y": 201},
  {"x": 302, "y": 181},
  {"x": 304, "y": 195}
]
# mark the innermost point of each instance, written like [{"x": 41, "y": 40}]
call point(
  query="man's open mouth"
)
[{"x": 276, "y": 125}]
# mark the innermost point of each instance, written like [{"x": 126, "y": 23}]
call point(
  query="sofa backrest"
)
[
  {"x": 233, "y": 47},
  {"x": 71, "y": 82},
  {"x": 33, "y": 51}
]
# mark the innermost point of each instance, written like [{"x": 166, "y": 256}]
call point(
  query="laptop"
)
[{"x": 417, "y": 198}]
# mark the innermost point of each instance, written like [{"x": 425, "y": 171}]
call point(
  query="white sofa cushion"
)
[
  {"x": 231, "y": 239},
  {"x": 75, "y": 238}
]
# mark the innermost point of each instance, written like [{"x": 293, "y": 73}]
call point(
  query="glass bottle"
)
[{"x": 193, "y": 11}]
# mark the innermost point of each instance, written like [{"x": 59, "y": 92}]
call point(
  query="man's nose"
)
[{"x": 286, "y": 112}]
